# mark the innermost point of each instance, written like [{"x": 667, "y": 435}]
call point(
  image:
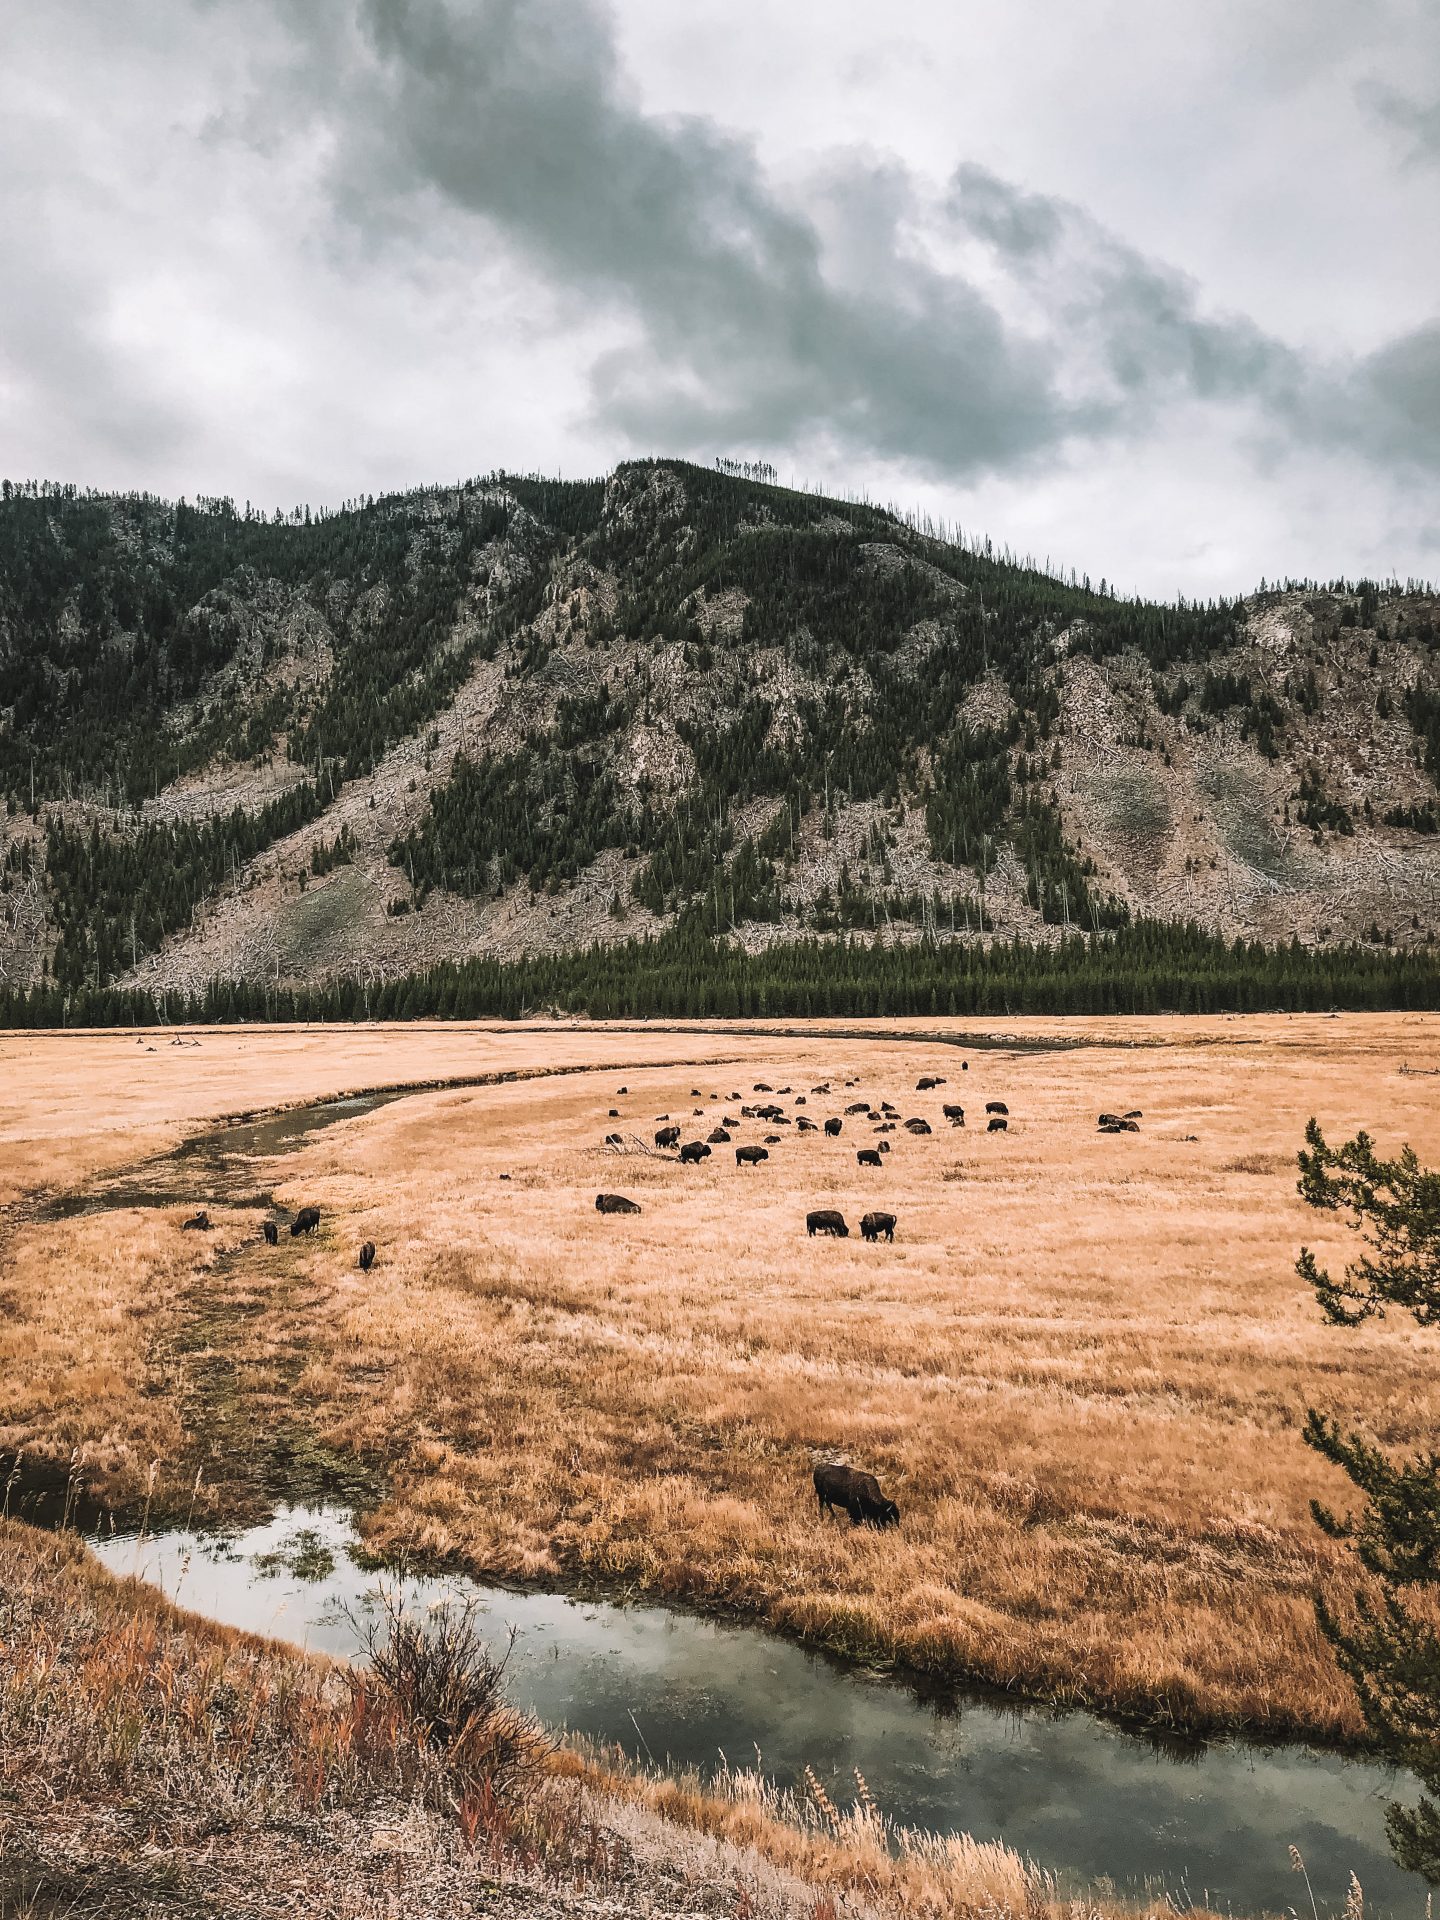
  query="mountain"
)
[{"x": 521, "y": 715}]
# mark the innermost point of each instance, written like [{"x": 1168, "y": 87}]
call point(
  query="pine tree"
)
[{"x": 1385, "y": 1637}]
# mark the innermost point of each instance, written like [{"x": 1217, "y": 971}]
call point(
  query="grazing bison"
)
[
  {"x": 998, "y": 1124},
  {"x": 668, "y": 1137},
  {"x": 952, "y": 1112},
  {"x": 917, "y": 1126},
  {"x": 827, "y": 1220},
  {"x": 693, "y": 1152},
  {"x": 929, "y": 1080},
  {"x": 271, "y": 1233},
  {"x": 367, "y": 1256},
  {"x": 750, "y": 1156},
  {"x": 197, "y": 1223},
  {"x": 874, "y": 1224},
  {"x": 858, "y": 1494},
  {"x": 996, "y": 1106},
  {"x": 305, "y": 1221},
  {"x": 719, "y": 1138},
  {"x": 867, "y": 1157},
  {"x": 615, "y": 1203},
  {"x": 832, "y": 1127}
]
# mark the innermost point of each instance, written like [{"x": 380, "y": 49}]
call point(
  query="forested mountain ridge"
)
[{"x": 519, "y": 715}]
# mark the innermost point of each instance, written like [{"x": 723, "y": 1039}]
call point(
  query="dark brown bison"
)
[
  {"x": 832, "y": 1127},
  {"x": 998, "y": 1124},
  {"x": 614, "y": 1114},
  {"x": 197, "y": 1223},
  {"x": 1120, "y": 1126},
  {"x": 750, "y": 1156},
  {"x": 882, "y": 1146},
  {"x": 885, "y": 1107},
  {"x": 802, "y": 1125},
  {"x": 996, "y": 1106},
  {"x": 762, "y": 1086},
  {"x": 622, "y": 1089},
  {"x": 827, "y": 1220},
  {"x": 952, "y": 1112},
  {"x": 615, "y": 1203},
  {"x": 929, "y": 1080},
  {"x": 367, "y": 1256},
  {"x": 305, "y": 1221},
  {"x": 667, "y": 1137},
  {"x": 693, "y": 1152},
  {"x": 867, "y": 1157},
  {"x": 614, "y": 1140},
  {"x": 858, "y": 1106},
  {"x": 857, "y": 1494},
  {"x": 271, "y": 1233},
  {"x": 917, "y": 1126},
  {"x": 719, "y": 1138},
  {"x": 800, "y": 1100},
  {"x": 874, "y": 1224},
  {"x": 772, "y": 1139},
  {"x": 1133, "y": 1114}
]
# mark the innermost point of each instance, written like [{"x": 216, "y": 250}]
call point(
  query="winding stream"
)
[{"x": 1203, "y": 1823}]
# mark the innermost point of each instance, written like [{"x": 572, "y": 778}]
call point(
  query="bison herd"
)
[{"x": 884, "y": 1119}]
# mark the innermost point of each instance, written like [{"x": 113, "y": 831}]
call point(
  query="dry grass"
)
[{"x": 1080, "y": 1369}]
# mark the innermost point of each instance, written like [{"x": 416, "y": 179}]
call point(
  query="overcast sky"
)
[{"x": 1147, "y": 288}]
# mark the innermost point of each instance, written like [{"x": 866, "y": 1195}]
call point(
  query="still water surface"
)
[{"x": 1209, "y": 1825}]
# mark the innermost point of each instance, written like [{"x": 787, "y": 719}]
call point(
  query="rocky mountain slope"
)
[{"x": 524, "y": 715}]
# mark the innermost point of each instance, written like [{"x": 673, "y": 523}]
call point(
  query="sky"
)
[{"x": 1143, "y": 288}]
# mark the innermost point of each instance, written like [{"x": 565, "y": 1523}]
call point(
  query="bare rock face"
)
[{"x": 523, "y": 716}]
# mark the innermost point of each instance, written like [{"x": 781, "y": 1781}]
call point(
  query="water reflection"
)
[{"x": 1208, "y": 1824}]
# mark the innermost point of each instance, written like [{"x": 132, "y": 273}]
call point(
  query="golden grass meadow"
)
[{"x": 1081, "y": 1368}]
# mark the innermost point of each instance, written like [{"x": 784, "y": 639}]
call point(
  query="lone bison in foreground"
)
[
  {"x": 693, "y": 1152},
  {"x": 305, "y": 1221},
  {"x": 615, "y": 1203},
  {"x": 867, "y": 1157},
  {"x": 750, "y": 1156},
  {"x": 874, "y": 1224},
  {"x": 668, "y": 1137},
  {"x": 857, "y": 1493},
  {"x": 827, "y": 1220},
  {"x": 367, "y": 1256},
  {"x": 271, "y": 1233}
]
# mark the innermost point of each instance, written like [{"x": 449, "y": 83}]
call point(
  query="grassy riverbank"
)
[
  {"x": 157, "y": 1765},
  {"x": 1081, "y": 1368}
]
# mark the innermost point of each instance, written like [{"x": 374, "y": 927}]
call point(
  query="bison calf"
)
[
  {"x": 615, "y": 1203},
  {"x": 306, "y": 1221},
  {"x": 827, "y": 1220},
  {"x": 271, "y": 1233},
  {"x": 874, "y": 1224},
  {"x": 857, "y": 1493}
]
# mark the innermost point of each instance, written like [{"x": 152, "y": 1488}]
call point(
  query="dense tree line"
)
[{"x": 1148, "y": 968}]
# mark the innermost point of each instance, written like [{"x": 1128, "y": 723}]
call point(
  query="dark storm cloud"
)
[
  {"x": 515, "y": 111},
  {"x": 757, "y": 316}
]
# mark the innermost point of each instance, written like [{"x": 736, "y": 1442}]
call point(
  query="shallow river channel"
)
[{"x": 1209, "y": 1825}]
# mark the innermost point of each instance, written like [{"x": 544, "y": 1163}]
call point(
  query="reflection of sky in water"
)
[{"x": 1075, "y": 1794}]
